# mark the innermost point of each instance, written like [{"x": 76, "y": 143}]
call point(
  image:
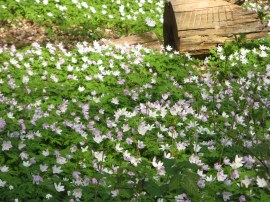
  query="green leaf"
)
[
  {"x": 189, "y": 182},
  {"x": 152, "y": 188},
  {"x": 186, "y": 181}
]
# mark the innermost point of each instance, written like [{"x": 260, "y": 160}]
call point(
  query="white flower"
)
[
  {"x": 2, "y": 183},
  {"x": 219, "y": 49},
  {"x": 81, "y": 88},
  {"x": 100, "y": 156},
  {"x": 77, "y": 193},
  {"x": 209, "y": 178},
  {"x": 122, "y": 8},
  {"x": 181, "y": 198},
  {"x": 118, "y": 148},
  {"x": 263, "y": 54},
  {"x": 61, "y": 160},
  {"x": 181, "y": 146},
  {"x": 93, "y": 10},
  {"x": 25, "y": 79},
  {"x": 150, "y": 22},
  {"x": 98, "y": 139},
  {"x": 261, "y": 182},
  {"x": 126, "y": 156},
  {"x": 6, "y": 145},
  {"x": 10, "y": 115},
  {"x": 115, "y": 101},
  {"x": 70, "y": 68},
  {"x": 96, "y": 100},
  {"x": 168, "y": 156},
  {"x": 188, "y": 56},
  {"x": 84, "y": 4},
  {"x": 125, "y": 127},
  {"x": 142, "y": 128},
  {"x": 84, "y": 149},
  {"x": 4, "y": 169},
  {"x": 221, "y": 176},
  {"x": 59, "y": 187},
  {"x": 48, "y": 196},
  {"x": 57, "y": 170},
  {"x": 226, "y": 195},
  {"x": 165, "y": 147},
  {"x": 240, "y": 120},
  {"x": 141, "y": 145},
  {"x": 49, "y": 14},
  {"x": 46, "y": 152},
  {"x": 237, "y": 162},
  {"x": 196, "y": 147},
  {"x": 158, "y": 165},
  {"x": 246, "y": 181},
  {"x": 43, "y": 168},
  {"x": 169, "y": 48},
  {"x": 224, "y": 115},
  {"x": 222, "y": 57},
  {"x": 26, "y": 163},
  {"x": 165, "y": 96},
  {"x": 115, "y": 193},
  {"x": 62, "y": 8}
]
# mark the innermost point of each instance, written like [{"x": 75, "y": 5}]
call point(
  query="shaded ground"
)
[{"x": 25, "y": 32}]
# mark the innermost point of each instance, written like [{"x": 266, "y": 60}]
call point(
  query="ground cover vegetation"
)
[
  {"x": 89, "y": 18},
  {"x": 126, "y": 123}
]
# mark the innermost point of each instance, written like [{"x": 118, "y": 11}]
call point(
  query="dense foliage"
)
[
  {"x": 88, "y": 17},
  {"x": 126, "y": 122}
]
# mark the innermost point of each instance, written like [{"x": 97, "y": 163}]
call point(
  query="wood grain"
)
[{"x": 204, "y": 24}]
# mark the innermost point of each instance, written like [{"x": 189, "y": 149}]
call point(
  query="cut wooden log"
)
[
  {"x": 195, "y": 26},
  {"x": 238, "y": 2},
  {"x": 147, "y": 39}
]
